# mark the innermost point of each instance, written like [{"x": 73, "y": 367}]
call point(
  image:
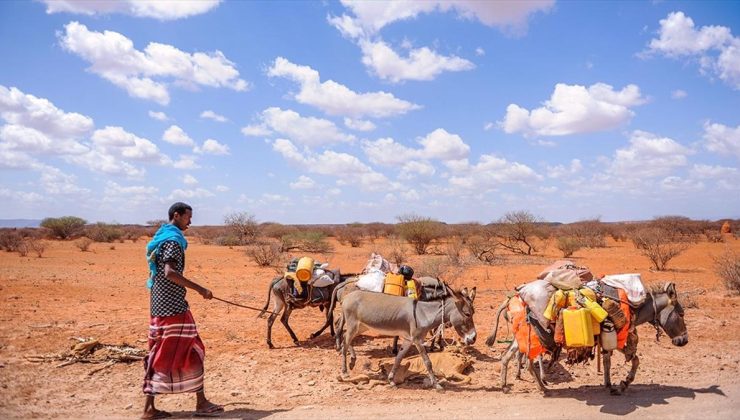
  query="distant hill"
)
[{"x": 19, "y": 223}]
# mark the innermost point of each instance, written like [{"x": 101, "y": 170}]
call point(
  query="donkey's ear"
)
[
  {"x": 472, "y": 294},
  {"x": 464, "y": 291},
  {"x": 670, "y": 289}
]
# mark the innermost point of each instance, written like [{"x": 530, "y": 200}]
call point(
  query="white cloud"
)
[
  {"x": 189, "y": 180},
  {"x": 307, "y": 131},
  {"x": 371, "y": 16},
  {"x": 359, "y": 125},
  {"x": 439, "y": 144},
  {"x": 386, "y": 151},
  {"x": 574, "y": 109},
  {"x": 175, "y": 135},
  {"x": 21, "y": 138},
  {"x": 480, "y": 52},
  {"x": 560, "y": 171},
  {"x": 337, "y": 99},
  {"x": 21, "y": 196},
  {"x": 115, "y": 189},
  {"x": 186, "y": 162},
  {"x": 648, "y": 156},
  {"x": 160, "y": 9},
  {"x": 490, "y": 172},
  {"x": 40, "y": 114},
  {"x": 213, "y": 147},
  {"x": 420, "y": 64},
  {"x": 413, "y": 168},
  {"x": 708, "y": 171},
  {"x": 54, "y": 181},
  {"x": 222, "y": 188},
  {"x": 346, "y": 168},
  {"x": 180, "y": 194},
  {"x": 303, "y": 183},
  {"x": 488, "y": 126},
  {"x": 159, "y": 115},
  {"x": 679, "y": 94},
  {"x": 113, "y": 57},
  {"x": 722, "y": 139},
  {"x": 208, "y": 114},
  {"x": 676, "y": 183},
  {"x": 714, "y": 47}
]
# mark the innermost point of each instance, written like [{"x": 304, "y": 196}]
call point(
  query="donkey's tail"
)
[
  {"x": 269, "y": 293},
  {"x": 492, "y": 338}
]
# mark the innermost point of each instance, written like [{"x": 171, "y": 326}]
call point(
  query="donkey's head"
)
[
  {"x": 669, "y": 314},
  {"x": 461, "y": 317}
]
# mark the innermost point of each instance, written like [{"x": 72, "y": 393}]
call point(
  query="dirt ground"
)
[{"x": 46, "y": 302}]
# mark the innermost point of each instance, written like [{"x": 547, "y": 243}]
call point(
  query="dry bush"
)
[
  {"x": 103, "y": 232},
  {"x": 308, "y": 241},
  {"x": 679, "y": 228},
  {"x": 658, "y": 245},
  {"x": 454, "y": 250},
  {"x": 227, "y": 240},
  {"x": 23, "y": 248},
  {"x": 714, "y": 236},
  {"x": 38, "y": 246},
  {"x": 243, "y": 226},
  {"x": 209, "y": 235},
  {"x": 64, "y": 227},
  {"x": 350, "y": 235},
  {"x": 590, "y": 233},
  {"x": 484, "y": 248},
  {"x": 396, "y": 251},
  {"x": 276, "y": 230},
  {"x": 265, "y": 254},
  {"x": 419, "y": 231},
  {"x": 377, "y": 230},
  {"x": 432, "y": 267},
  {"x": 10, "y": 239},
  {"x": 727, "y": 267},
  {"x": 517, "y": 231},
  {"x": 84, "y": 243},
  {"x": 568, "y": 245}
]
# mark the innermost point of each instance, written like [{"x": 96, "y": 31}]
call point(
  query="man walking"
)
[{"x": 176, "y": 353}]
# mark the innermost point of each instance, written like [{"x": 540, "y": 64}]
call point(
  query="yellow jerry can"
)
[
  {"x": 578, "y": 327},
  {"x": 394, "y": 284},
  {"x": 304, "y": 270}
]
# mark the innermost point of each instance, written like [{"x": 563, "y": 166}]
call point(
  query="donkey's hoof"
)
[
  {"x": 269, "y": 345},
  {"x": 352, "y": 362},
  {"x": 297, "y": 343},
  {"x": 505, "y": 389},
  {"x": 312, "y": 336},
  {"x": 615, "y": 391}
]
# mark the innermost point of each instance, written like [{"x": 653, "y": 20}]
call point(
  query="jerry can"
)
[
  {"x": 608, "y": 338},
  {"x": 578, "y": 327},
  {"x": 411, "y": 290},
  {"x": 394, "y": 284},
  {"x": 557, "y": 301},
  {"x": 304, "y": 269},
  {"x": 595, "y": 309}
]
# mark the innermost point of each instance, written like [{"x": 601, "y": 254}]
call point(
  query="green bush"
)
[
  {"x": 568, "y": 245},
  {"x": 419, "y": 231},
  {"x": 64, "y": 227}
]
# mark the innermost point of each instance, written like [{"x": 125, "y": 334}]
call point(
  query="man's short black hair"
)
[{"x": 179, "y": 208}]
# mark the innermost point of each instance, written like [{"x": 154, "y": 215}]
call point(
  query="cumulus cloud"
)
[
  {"x": 307, "y": 131},
  {"x": 359, "y": 125},
  {"x": 303, "y": 183},
  {"x": 186, "y": 162},
  {"x": 181, "y": 194},
  {"x": 213, "y": 147},
  {"x": 222, "y": 188},
  {"x": 336, "y": 99},
  {"x": 189, "y": 180},
  {"x": 371, "y": 16},
  {"x": 208, "y": 114},
  {"x": 160, "y": 9},
  {"x": 722, "y": 139},
  {"x": 714, "y": 47},
  {"x": 702, "y": 171},
  {"x": 648, "y": 156},
  {"x": 113, "y": 57},
  {"x": 346, "y": 168},
  {"x": 26, "y": 139},
  {"x": 490, "y": 172},
  {"x": 438, "y": 144},
  {"x": 679, "y": 94},
  {"x": 177, "y": 136},
  {"x": 676, "y": 183},
  {"x": 158, "y": 115},
  {"x": 561, "y": 171},
  {"x": 40, "y": 114},
  {"x": 574, "y": 109},
  {"x": 420, "y": 64}
]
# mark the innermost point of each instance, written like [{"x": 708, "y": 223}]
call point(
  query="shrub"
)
[
  {"x": 484, "y": 249},
  {"x": 516, "y": 231},
  {"x": 84, "y": 244},
  {"x": 306, "y": 241},
  {"x": 103, "y": 232},
  {"x": 679, "y": 228},
  {"x": 454, "y": 250},
  {"x": 714, "y": 236},
  {"x": 10, "y": 240},
  {"x": 727, "y": 267},
  {"x": 265, "y": 254},
  {"x": 227, "y": 240},
  {"x": 22, "y": 249},
  {"x": 419, "y": 231},
  {"x": 589, "y": 233},
  {"x": 64, "y": 227},
  {"x": 350, "y": 235},
  {"x": 276, "y": 230},
  {"x": 568, "y": 245},
  {"x": 242, "y": 225},
  {"x": 658, "y": 245},
  {"x": 396, "y": 251},
  {"x": 37, "y": 245}
]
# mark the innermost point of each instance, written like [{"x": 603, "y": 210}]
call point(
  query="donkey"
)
[
  {"x": 280, "y": 289},
  {"x": 662, "y": 309},
  {"x": 407, "y": 318}
]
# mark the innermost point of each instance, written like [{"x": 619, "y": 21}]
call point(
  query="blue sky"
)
[{"x": 336, "y": 112}]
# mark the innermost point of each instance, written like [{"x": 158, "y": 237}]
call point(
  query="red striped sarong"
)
[{"x": 176, "y": 354}]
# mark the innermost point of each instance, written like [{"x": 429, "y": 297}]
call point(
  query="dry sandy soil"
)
[{"x": 48, "y": 301}]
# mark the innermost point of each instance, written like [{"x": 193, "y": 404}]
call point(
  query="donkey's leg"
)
[
  {"x": 537, "y": 378},
  {"x": 394, "y": 350},
  {"x": 520, "y": 362},
  {"x": 510, "y": 352},
  {"x": 284, "y": 320},
  {"x": 630, "y": 376},
  {"x": 327, "y": 323},
  {"x": 427, "y": 363},
  {"x": 405, "y": 346},
  {"x": 347, "y": 338},
  {"x": 607, "y": 355},
  {"x": 279, "y": 304},
  {"x": 339, "y": 336},
  {"x": 541, "y": 363}
]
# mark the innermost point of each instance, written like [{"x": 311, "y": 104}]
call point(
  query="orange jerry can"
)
[
  {"x": 394, "y": 284},
  {"x": 578, "y": 327}
]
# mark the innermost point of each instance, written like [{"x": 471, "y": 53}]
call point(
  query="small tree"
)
[
  {"x": 658, "y": 245},
  {"x": 265, "y": 254},
  {"x": 84, "y": 244},
  {"x": 103, "y": 232},
  {"x": 64, "y": 227},
  {"x": 242, "y": 225},
  {"x": 37, "y": 245},
  {"x": 396, "y": 252},
  {"x": 517, "y": 231},
  {"x": 419, "y": 231},
  {"x": 568, "y": 245},
  {"x": 351, "y": 234},
  {"x": 727, "y": 267}
]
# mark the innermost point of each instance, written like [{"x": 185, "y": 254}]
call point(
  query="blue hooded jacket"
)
[{"x": 166, "y": 232}]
